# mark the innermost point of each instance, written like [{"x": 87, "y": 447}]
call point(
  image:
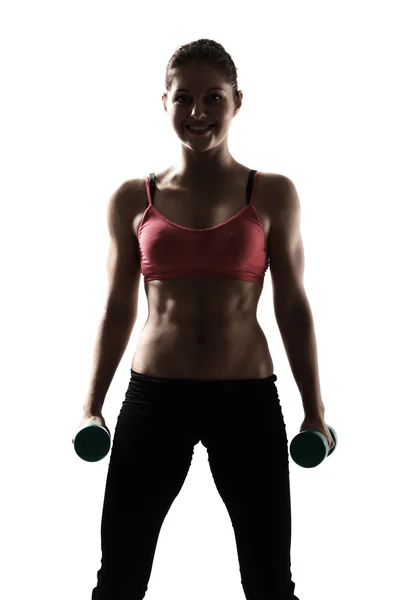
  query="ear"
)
[
  {"x": 238, "y": 103},
  {"x": 164, "y": 99}
]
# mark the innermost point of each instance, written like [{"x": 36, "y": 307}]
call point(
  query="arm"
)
[
  {"x": 112, "y": 339},
  {"x": 292, "y": 309},
  {"x": 123, "y": 268}
]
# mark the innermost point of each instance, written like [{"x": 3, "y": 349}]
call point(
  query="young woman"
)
[{"x": 203, "y": 233}]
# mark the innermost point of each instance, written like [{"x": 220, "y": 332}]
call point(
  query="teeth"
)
[{"x": 200, "y": 128}]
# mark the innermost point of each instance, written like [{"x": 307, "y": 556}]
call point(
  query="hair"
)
[{"x": 204, "y": 51}]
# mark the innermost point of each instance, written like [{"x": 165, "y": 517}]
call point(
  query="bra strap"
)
[
  {"x": 250, "y": 185},
  {"x": 152, "y": 185}
]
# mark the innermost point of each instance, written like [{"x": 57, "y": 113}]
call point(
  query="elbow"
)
[{"x": 124, "y": 313}]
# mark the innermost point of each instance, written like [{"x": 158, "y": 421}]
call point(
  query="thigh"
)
[
  {"x": 148, "y": 466},
  {"x": 248, "y": 456}
]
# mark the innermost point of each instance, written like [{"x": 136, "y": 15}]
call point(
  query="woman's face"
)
[{"x": 200, "y": 94}]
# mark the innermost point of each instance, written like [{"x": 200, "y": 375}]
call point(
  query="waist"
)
[
  {"x": 203, "y": 332},
  {"x": 143, "y": 379},
  {"x": 203, "y": 351}
]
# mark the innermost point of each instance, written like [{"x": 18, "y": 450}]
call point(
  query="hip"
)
[{"x": 166, "y": 413}]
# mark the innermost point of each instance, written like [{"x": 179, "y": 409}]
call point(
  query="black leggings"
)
[{"x": 240, "y": 422}]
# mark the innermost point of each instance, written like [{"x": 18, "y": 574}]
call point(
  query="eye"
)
[{"x": 210, "y": 96}]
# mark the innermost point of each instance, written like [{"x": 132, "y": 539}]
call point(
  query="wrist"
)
[{"x": 315, "y": 414}]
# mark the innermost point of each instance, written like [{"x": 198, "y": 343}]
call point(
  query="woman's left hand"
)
[{"x": 318, "y": 423}]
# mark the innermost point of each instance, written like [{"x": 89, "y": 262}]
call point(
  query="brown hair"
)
[{"x": 200, "y": 52}]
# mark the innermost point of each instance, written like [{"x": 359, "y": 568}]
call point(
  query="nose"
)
[{"x": 198, "y": 111}]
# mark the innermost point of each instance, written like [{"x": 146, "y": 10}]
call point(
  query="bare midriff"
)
[{"x": 203, "y": 327}]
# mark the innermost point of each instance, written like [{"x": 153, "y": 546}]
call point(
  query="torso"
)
[{"x": 204, "y": 327}]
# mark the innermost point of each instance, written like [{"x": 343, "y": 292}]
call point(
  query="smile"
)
[{"x": 200, "y": 131}]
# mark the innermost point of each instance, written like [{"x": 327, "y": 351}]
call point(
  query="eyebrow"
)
[{"x": 209, "y": 90}]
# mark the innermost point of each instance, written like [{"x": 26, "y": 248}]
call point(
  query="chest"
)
[{"x": 207, "y": 207}]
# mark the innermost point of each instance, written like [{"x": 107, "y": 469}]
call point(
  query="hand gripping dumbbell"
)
[
  {"x": 310, "y": 448},
  {"x": 92, "y": 442}
]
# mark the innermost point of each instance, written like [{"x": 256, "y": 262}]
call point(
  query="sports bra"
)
[{"x": 236, "y": 248}]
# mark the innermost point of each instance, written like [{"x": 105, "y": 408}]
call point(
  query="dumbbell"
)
[
  {"x": 309, "y": 448},
  {"x": 92, "y": 442}
]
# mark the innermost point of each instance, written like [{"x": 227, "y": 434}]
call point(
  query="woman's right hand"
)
[{"x": 90, "y": 419}]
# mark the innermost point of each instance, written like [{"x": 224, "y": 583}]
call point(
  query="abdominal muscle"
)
[{"x": 203, "y": 330}]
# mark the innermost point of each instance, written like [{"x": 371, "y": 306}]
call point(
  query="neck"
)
[{"x": 199, "y": 172}]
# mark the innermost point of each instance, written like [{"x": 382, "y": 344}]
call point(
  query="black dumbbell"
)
[
  {"x": 310, "y": 448},
  {"x": 92, "y": 442}
]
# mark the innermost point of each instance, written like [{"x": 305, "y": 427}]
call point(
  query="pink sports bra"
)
[{"x": 235, "y": 248}]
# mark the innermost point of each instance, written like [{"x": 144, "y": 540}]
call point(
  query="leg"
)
[
  {"x": 149, "y": 463},
  {"x": 248, "y": 456}
]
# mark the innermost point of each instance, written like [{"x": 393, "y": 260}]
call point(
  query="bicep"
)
[
  {"x": 123, "y": 260},
  {"x": 285, "y": 246}
]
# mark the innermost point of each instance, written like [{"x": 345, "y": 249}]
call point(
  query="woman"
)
[{"x": 202, "y": 232}]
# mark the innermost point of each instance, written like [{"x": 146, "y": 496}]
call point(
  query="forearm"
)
[
  {"x": 112, "y": 339},
  {"x": 296, "y": 326}
]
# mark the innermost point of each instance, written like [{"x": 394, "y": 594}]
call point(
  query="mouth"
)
[{"x": 199, "y": 131}]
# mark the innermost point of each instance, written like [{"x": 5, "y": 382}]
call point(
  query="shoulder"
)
[
  {"x": 276, "y": 182},
  {"x": 130, "y": 187},
  {"x": 279, "y": 193},
  {"x": 129, "y": 195}
]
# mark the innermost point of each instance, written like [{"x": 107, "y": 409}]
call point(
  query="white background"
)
[{"x": 81, "y": 112}]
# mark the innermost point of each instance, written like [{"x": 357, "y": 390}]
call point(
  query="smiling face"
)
[{"x": 200, "y": 94}]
